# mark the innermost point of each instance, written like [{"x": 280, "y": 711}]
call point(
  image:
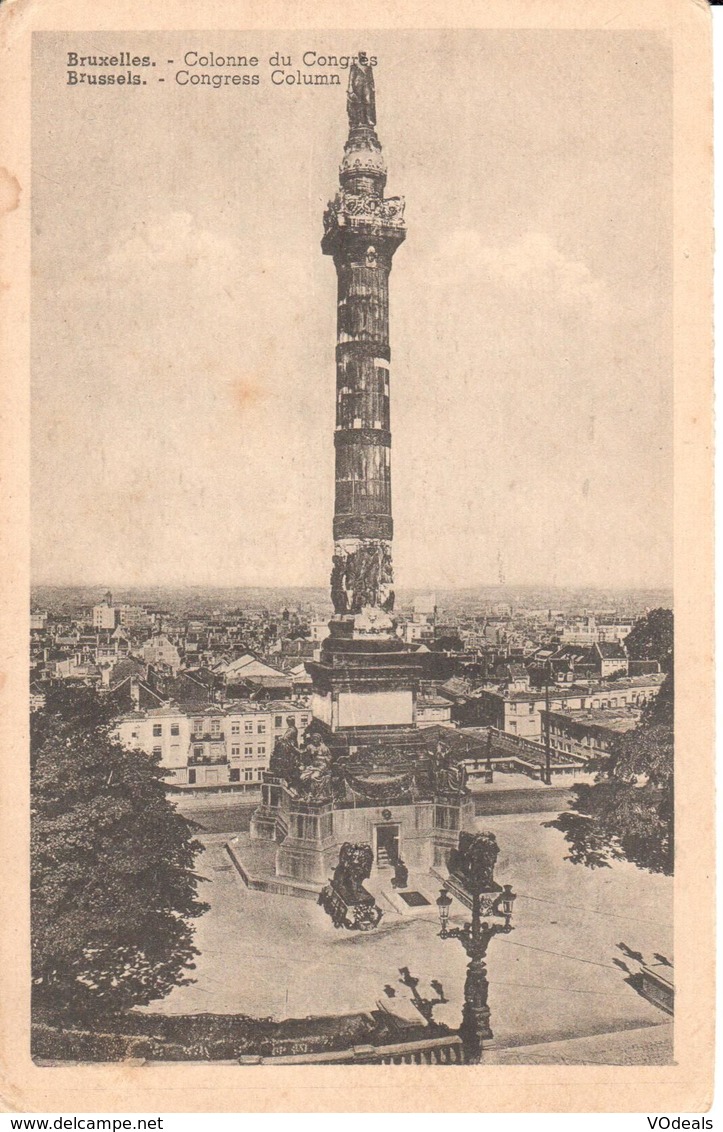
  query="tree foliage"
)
[
  {"x": 628, "y": 812},
  {"x": 450, "y": 643},
  {"x": 651, "y": 638},
  {"x": 113, "y": 885}
]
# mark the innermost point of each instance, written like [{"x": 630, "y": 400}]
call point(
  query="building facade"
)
[
  {"x": 104, "y": 614},
  {"x": 214, "y": 746},
  {"x": 161, "y": 652},
  {"x": 520, "y": 712},
  {"x": 591, "y": 732}
]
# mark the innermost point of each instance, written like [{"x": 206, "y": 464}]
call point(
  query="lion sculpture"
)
[
  {"x": 345, "y": 898},
  {"x": 355, "y": 866},
  {"x": 473, "y": 862}
]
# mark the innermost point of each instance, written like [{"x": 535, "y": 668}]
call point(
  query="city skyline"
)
[{"x": 183, "y": 377}]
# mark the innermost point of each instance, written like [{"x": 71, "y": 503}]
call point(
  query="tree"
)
[
  {"x": 450, "y": 643},
  {"x": 651, "y": 638},
  {"x": 113, "y": 885},
  {"x": 627, "y": 813}
]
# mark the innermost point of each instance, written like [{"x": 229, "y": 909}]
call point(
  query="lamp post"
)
[
  {"x": 475, "y": 938},
  {"x": 547, "y": 774}
]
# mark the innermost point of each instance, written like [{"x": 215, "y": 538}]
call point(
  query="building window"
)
[
  {"x": 261, "y": 727},
  {"x": 158, "y": 751},
  {"x": 303, "y": 720},
  {"x": 260, "y": 772},
  {"x": 191, "y": 777},
  {"x": 198, "y": 726},
  {"x": 261, "y": 749},
  {"x": 248, "y": 774},
  {"x": 248, "y": 751},
  {"x": 235, "y": 752},
  {"x": 234, "y": 774},
  {"x": 198, "y": 752},
  {"x": 215, "y": 726},
  {"x": 235, "y": 728},
  {"x": 175, "y": 730},
  {"x": 157, "y": 730},
  {"x": 278, "y": 721},
  {"x": 248, "y": 726}
]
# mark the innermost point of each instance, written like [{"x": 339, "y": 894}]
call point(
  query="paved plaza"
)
[{"x": 553, "y": 978}]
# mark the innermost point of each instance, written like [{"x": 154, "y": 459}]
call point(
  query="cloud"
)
[
  {"x": 532, "y": 267},
  {"x": 173, "y": 309},
  {"x": 173, "y": 240}
]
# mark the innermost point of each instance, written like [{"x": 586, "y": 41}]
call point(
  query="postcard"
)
[{"x": 357, "y": 554}]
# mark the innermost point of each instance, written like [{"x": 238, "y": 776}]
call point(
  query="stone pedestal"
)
[
  {"x": 268, "y": 821},
  {"x": 364, "y": 682},
  {"x": 310, "y": 834},
  {"x": 309, "y": 850}
]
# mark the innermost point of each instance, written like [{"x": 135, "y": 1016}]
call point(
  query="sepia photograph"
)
[{"x": 352, "y": 620}]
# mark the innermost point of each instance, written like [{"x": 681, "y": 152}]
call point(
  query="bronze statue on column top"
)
[{"x": 360, "y": 101}]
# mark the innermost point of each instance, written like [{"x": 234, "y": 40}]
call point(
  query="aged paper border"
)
[{"x": 686, "y": 1086}]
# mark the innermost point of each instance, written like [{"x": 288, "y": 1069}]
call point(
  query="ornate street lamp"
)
[
  {"x": 505, "y": 903},
  {"x": 471, "y": 866},
  {"x": 444, "y": 900}
]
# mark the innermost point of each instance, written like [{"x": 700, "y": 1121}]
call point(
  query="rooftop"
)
[
  {"x": 233, "y": 707},
  {"x": 653, "y": 678},
  {"x": 611, "y": 651},
  {"x": 557, "y": 692},
  {"x": 612, "y": 718},
  {"x": 592, "y": 688}
]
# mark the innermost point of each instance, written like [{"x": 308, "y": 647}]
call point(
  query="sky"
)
[{"x": 183, "y": 318}]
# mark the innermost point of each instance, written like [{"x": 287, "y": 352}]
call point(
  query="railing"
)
[
  {"x": 430, "y": 1051},
  {"x": 534, "y": 751},
  {"x": 515, "y": 763}
]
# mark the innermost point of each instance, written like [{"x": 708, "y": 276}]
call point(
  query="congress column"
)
[
  {"x": 365, "y": 678},
  {"x": 362, "y": 232}
]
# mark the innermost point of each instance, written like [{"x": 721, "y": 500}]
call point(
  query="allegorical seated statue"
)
[
  {"x": 315, "y": 771},
  {"x": 450, "y": 777},
  {"x": 345, "y": 898},
  {"x": 285, "y": 761},
  {"x": 305, "y": 768},
  {"x": 473, "y": 862}
]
